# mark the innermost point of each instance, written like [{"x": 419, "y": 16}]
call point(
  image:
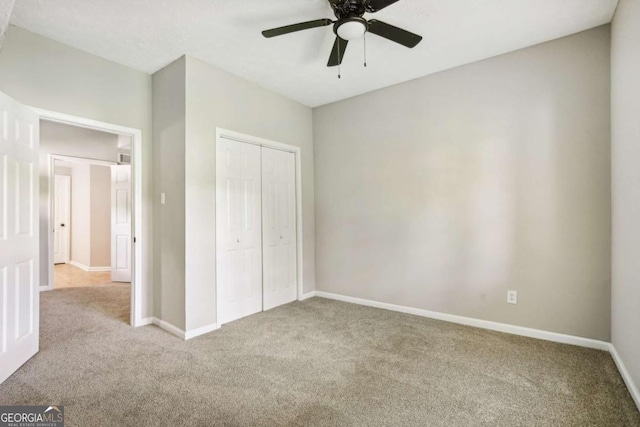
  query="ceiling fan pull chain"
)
[{"x": 364, "y": 38}]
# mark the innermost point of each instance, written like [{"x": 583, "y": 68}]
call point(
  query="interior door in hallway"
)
[
  {"x": 238, "y": 228},
  {"x": 121, "y": 245},
  {"x": 278, "y": 227},
  {"x": 61, "y": 218},
  {"x": 19, "y": 249}
]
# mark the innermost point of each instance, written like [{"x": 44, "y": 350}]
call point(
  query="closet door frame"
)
[{"x": 248, "y": 139}]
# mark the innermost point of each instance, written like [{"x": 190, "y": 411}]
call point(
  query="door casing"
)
[{"x": 137, "y": 280}]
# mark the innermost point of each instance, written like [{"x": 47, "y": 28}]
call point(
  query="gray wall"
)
[
  {"x": 444, "y": 192},
  {"x": 169, "y": 172},
  {"x": 81, "y": 214},
  {"x": 100, "y": 216},
  {"x": 42, "y": 73},
  {"x": 91, "y": 215},
  {"x": 56, "y": 138},
  {"x": 191, "y": 99},
  {"x": 625, "y": 153},
  {"x": 216, "y": 98}
]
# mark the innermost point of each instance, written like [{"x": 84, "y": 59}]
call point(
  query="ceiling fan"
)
[{"x": 351, "y": 25}]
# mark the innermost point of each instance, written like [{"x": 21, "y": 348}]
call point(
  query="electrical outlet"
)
[
  {"x": 512, "y": 297},
  {"x": 162, "y": 199}
]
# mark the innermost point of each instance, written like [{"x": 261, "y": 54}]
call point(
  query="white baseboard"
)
[
  {"x": 80, "y": 266},
  {"x": 485, "y": 324},
  {"x": 626, "y": 376},
  {"x": 168, "y": 327},
  {"x": 144, "y": 322},
  {"x": 179, "y": 332},
  {"x": 200, "y": 331},
  {"x": 100, "y": 268},
  {"x": 478, "y": 323},
  {"x": 307, "y": 296},
  {"x": 87, "y": 268}
]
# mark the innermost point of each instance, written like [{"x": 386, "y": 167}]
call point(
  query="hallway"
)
[{"x": 70, "y": 276}]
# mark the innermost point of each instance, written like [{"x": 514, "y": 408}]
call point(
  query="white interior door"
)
[
  {"x": 278, "y": 227},
  {"x": 121, "y": 245},
  {"x": 238, "y": 229},
  {"x": 19, "y": 263},
  {"x": 61, "y": 218}
]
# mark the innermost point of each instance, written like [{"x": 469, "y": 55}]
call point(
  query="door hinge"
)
[{"x": 134, "y": 240}]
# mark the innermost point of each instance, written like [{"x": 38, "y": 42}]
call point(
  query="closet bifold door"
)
[
  {"x": 278, "y": 228},
  {"x": 238, "y": 228}
]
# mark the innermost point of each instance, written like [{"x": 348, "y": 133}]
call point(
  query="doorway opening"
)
[
  {"x": 91, "y": 220},
  {"x": 90, "y": 206}
]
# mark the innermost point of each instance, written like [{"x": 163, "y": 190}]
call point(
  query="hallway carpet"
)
[{"x": 317, "y": 362}]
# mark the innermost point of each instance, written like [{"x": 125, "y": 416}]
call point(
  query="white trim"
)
[
  {"x": 77, "y": 264},
  {"x": 87, "y": 268},
  {"x": 240, "y": 137},
  {"x": 83, "y": 160},
  {"x": 200, "y": 331},
  {"x": 168, "y": 327},
  {"x": 137, "y": 282},
  {"x": 146, "y": 321},
  {"x": 478, "y": 323},
  {"x": 177, "y": 331},
  {"x": 307, "y": 296},
  {"x": 107, "y": 268},
  {"x": 626, "y": 376}
]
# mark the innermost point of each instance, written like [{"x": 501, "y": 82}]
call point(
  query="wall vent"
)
[{"x": 124, "y": 158}]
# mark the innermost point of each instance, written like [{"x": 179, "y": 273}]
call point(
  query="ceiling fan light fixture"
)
[{"x": 352, "y": 29}]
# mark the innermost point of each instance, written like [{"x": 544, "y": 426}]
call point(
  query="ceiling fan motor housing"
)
[{"x": 346, "y": 8}]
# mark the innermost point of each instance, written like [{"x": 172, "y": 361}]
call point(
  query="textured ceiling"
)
[{"x": 149, "y": 34}]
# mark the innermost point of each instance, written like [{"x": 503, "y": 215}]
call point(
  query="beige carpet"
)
[{"x": 318, "y": 362}]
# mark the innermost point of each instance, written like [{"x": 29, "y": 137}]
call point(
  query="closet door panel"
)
[
  {"x": 238, "y": 225},
  {"x": 279, "y": 227}
]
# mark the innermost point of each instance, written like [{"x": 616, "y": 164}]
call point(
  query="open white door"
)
[
  {"x": 121, "y": 245},
  {"x": 19, "y": 263},
  {"x": 61, "y": 218}
]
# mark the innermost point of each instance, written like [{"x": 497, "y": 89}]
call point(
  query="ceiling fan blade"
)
[
  {"x": 373, "y": 6},
  {"x": 394, "y": 34},
  {"x": 337, "y": 54},
  {"x": 296, "y": 27}
]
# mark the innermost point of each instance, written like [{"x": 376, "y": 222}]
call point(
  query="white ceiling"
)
[{"x": 149, "y": 34}]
